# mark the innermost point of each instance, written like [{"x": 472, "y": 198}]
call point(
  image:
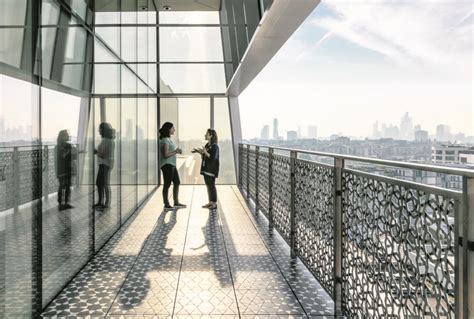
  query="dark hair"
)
[
  {"x": 165, "y": 129},
  {"x": 62, "y": 137},
  {"x": 106, "y": 130},
  {"x": 213, "y": 133}
]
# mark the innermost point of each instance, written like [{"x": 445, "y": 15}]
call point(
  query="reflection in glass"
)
[
  {"x": 128, "y": 157},
  {"x": 107, "y": 205},
  {"x": 65, "y": 215}
]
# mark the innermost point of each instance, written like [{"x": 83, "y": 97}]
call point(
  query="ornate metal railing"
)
[
  {"x": 381, "y": 247},
  {"x": 20, "y": 167}
]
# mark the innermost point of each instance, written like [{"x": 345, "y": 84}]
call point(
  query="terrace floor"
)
[{"x": 191, "y": 263}]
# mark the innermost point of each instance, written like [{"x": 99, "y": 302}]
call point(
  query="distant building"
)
[
  {"x": 466, "y": 157},
  {"x": 312, "y": 131},
  {"x": 443, "y": 133},
  {"x": 291, "y": 135},
  {"x": 375, "y": 130},
  {"x": 275, "y": 129},
  {"x": 421, "y": 136},
  {"x": 447, "y": 153},
  {"x": 265, "y": 132},
  {"x": 406, "y": 128}
]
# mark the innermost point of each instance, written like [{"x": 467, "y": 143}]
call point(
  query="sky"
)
[{"x": 352, "y": 63}]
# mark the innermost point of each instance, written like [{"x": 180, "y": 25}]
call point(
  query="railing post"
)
[
  {"x": 293, "y": 156},
  {"x": 248, "y": 172},
  {"x": 338, "y": 168},
  {"x": 468, "y": 246},
  {"x": 46, "y": 173},
  {"x": 270, "y": 190},
  {"x": 257, "y": 204},
  {"x": 16, "y": 179}
]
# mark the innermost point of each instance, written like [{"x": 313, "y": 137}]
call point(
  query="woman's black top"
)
[
  {"x": 210, "y": 165},
  {"x": 63, "y": 154}
]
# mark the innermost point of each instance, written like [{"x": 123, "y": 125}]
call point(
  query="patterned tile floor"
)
[{"x": 194, "y": 263}]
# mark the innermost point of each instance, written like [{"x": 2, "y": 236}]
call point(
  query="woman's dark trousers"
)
[
  {"x": 64, "y": 189},
  {"x": 211, "y": 188},
  {"x": 170, "y": 174},
  {"x": 102, "y": 183}
]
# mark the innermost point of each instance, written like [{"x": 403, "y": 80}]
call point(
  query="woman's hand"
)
[{"x": 179, "y": 151}]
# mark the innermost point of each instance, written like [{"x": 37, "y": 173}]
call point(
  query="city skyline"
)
[{"x": 405, "y": 131}]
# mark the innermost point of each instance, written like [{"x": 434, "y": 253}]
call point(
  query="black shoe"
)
[
  {"x": 168, "y": 207},
  {"x": 68, "y": 206},
  {"x": 61, "y": 207},
  {"x": 97, "y": 205},
  {"x": 179, "y": 205}
]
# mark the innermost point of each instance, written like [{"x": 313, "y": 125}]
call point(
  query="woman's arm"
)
[
  {"x": 212, "y": 153},
  {"x": 167, "y": 153}
]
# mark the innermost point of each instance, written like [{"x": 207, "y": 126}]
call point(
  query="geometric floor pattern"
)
[{"x": 194, "y": 263}]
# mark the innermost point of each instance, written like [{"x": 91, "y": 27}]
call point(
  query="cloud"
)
[{"x": 431, "y": 33}]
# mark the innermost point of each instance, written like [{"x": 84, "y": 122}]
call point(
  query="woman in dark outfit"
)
[
  {"x": 210, "y": 166},
  {"x": 64, "y": 154},
  {"x": 105, "y": 159}
]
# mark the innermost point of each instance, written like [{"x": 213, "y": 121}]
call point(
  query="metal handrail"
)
[{"x": 421, "y": 167}]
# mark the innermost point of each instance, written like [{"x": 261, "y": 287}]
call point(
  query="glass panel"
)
[
  {"x": 103, "y": 54},
  {"x": 193, "y": 121},
  {"x": 18, "y": 126},
  {"x": 146, "y": 16},
  {"x": 189, "y": 17},
  {"x": 129, "y": 81},
  {"x": 49, "y": 12},
  {"x": 107, "y": 78},
  {"x": 152, "y": 144},
  {"x": 73, "y": 75},
  {"x": 80, "y": 7},
  {"x": 142, "y": 149},
  {"x": 129, "y": 157},
  {"x": 193, "y": 78},
  {"x": 129, "y": 44},
  {"x": 146, "y": 44},
  {"x": 47, "y": 49},
  {"x": 107, "y": 218},
  {"x": 224, "y": 133},
  {"x": 11, "y": 46},
  {"x": 193, "y": 44},
  {"x": 111, "y": 37},
  {"x": 129, "y": 12},
  {"x": 108, "y": 12},
  {"x": 65, "y": 216},
  {"x": 13, "y": 12}
]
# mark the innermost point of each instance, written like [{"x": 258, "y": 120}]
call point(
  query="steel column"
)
[{"x": 257, "y": 204}]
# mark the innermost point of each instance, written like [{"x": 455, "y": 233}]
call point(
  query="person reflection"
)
[
  {"x": 65, "y": 157},
  {"x": 105, "y": 159}
]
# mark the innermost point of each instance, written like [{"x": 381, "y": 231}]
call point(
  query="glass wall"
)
[
  {"x": 58, "y": 206},
  {"x": 79, "y": 112}
]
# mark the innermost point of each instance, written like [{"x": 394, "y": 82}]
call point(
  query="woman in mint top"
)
[{"x": 167, "y": 160}]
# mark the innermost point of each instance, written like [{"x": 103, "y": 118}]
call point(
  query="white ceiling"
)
[{"x": 150, "y": 5}]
